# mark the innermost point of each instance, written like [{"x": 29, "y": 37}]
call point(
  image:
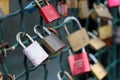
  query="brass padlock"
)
[
  {"x": 95, "y": 42},
  {"x": 97, "y": 68},
  {"x": 102, "y": 11},
  {"x": 51, "y": 42},
  {"x": 4, "y": 5},
  {"x": 72, "y": 3},
  {"x": 78, "y": 39},
  {"x": 105, "y": 31},
  {"x": 83, "y": 9}
]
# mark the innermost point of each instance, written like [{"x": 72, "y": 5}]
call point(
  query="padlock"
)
[
  {"x": 102, "y": 11},
  {"x": 62, "y": 8},
  {"x": 113, "y": 3},
  {"x": 79, "y": 63},
  {"x": 48, "y": 12},
  {"x": 72, "y": 3},
  {"x": 83, "y": 9},
  {"x": 51, "y": 42},
  {"x": 105, "y": 31},
  {"x": 97, "y": 68},
  {"x": 95, "y": 42},
  {"x": 78, "y": 39},
  {"x": 66, "y": 73},
  {"x": 4, "y": 5},
  {"x": 34, "y": 52},
  {"x": 28, "y": 11}
]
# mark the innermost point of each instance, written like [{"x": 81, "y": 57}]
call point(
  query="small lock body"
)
[
  {"x": 105, "y": 31},
  {"x": 97, "y": 44},
  {"x": 52, "y": 43},
  {"x": 34, "y": 52},
  {"x": 78, "y": 39},
  {"x": 113, "y": 3},
  {"x": 98, "y": 70},
  {"x": 31, "y": 50},
  {"x": 79, "y": 63},
  {"x": 4, "y": 5},
  {"x": 102, "y": 11},
  {"x": 83, "y": 9},
  {"x": 49, "y": 13},
  {"x": 72, "y": 3},
  {"x": 63, "y": 8}
]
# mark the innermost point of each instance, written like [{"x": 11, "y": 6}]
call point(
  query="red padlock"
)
[
  {"x": 113, "y": 3},
  {"x": 48, "y": 12},
  {"x": 79, "y": 63}
]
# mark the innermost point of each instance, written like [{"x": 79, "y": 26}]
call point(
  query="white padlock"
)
[{"x": 34, "y": 52}]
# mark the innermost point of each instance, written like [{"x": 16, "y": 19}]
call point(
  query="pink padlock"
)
[
  {"x": 113, "y": 3},
  {"x": 34, "y": 52},
  {"x": 79, "y": 63}
]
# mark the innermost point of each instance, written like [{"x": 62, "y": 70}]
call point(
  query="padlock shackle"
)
[
  {"x": 71, "y": 18},
  {"x": 46, "y": 30},
  {"x": 37, "y": 2},
  {"x": 19, "y": 40},
  {"x": 66, "y": 73},
  {"x": 70, "y": 51},
  {"x": 93, "y": 57},
  {"x": 91, "y": 34},
  {"x": 37, "y": 32}
]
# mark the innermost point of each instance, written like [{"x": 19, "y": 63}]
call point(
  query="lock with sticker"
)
[
  {"x": 34, "y": 52},
  {"x": 79, "y": 63}
]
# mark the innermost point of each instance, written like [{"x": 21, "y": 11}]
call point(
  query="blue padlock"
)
[{"x": 30, "y": 8}]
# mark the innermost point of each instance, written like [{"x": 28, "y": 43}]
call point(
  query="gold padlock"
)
[
  {"x": 102, "y": 11},
  {"x": 83, "y": 9},
  {"x": 105, "y": 31},
  {"x": 97, "y": 69},
  {"x": 71, "y": 3},
  {"x": 77, "y": 39},
  {"x": 95, "y": 42},
  {"x": 4, "y": 5}
]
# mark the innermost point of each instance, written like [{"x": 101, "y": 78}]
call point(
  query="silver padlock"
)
[
  {"x": 34, "y": 52},
  {"x": 51, "y": 41}
]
